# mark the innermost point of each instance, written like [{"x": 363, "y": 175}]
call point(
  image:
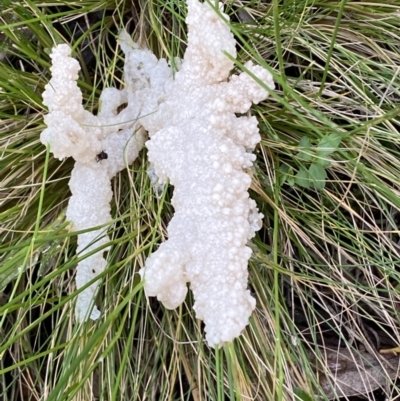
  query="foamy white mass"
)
[
  {"x": 73, "y": 131},
  {"x": 203, "y": 149},
  {"x": 197, "y": 143}
]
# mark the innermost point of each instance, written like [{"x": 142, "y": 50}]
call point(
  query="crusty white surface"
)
[
  {"x": 196, "y": 142},
  {"x": 203, "y": 149},
  {"x": 72, "y": 131}
]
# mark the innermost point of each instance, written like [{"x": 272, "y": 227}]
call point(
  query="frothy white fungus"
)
[
  {"x": 198, "y": 143},
  {"x": 73, "y": 131}
]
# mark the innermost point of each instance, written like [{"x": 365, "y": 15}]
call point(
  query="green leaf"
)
[
  {"x": 328, "y": 144},
  {"x": 302, "y": 395},
  {"x": 284, "y": 168},
  {"x": 305, "y": 142},
  {"x": 302, "y": 178},
  {"x": 318, "y": 175},
  {"x": 305, "y": 146},
  {"x": 286, "y": 174},
  {"x": 322, "y": 162},
  {"x": 291, "y": 180},
  {"x": 283, "y": 174}
]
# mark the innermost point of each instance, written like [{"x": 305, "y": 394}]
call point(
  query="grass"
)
[{"x": 324, "y": 269}]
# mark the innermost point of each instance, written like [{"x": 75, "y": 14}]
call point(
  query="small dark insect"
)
[{"x": 101, "y": 156}]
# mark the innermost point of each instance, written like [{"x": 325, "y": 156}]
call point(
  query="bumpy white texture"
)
[
  {"x": 198, "y": 143},
  {"x": 72, "y": 131},
  {"x": 89, "y": 206}
]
